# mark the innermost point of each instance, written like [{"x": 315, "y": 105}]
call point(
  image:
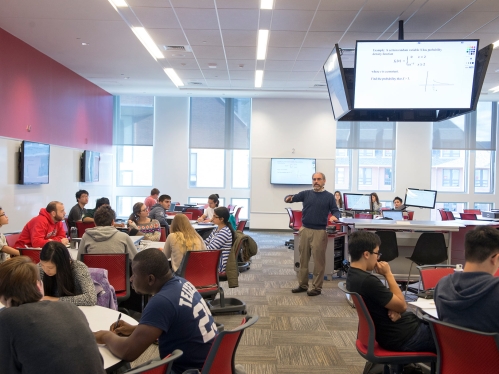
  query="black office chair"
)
[
  {"x": 388, "y": 248},
  {"x": 430, "y": 249}
]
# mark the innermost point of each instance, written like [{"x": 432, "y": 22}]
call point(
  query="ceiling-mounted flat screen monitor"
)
[
  {"x": 34, "y": 161},
  {"x": 336, "y": 84},
  {"x": 292, "y": 170},
  {"x": 357, "y": 201},
  {"x": 420, "y": 198},
  {"x": 422, "y": 74},
  {"x": 89, "y": 166}
]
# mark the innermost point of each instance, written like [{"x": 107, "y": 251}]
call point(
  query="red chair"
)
[
  {"x": 162, "y": 237},
  {"x": 462, "y": 350},
  {"x": 443, "y": 214},
  {"x": 220, "y": 359},
  {"x": 231, "y": 207},
  {"x": 470, "y": 216},
  {"x": 66, "y": 226},
  {"x": 12, "y": 239},
  {"x": 33, "y": 253},
  {"x": 196, "y": 212},
  {"x": 368, "y": 347},
  {"x": 163, "y": 366},
  {"x": 241, "y": 225},
  {"x": 431, "y": 274},
  {"x": 496, "y": 273},
  {"x": 201, "y": 269},
  {"x": 82, "y": 226},
  {"x": 118, "y": 269},
  {"x": 450, "y": 215},
  {"x": 363, "y": 215},
  {"x": 188, "y": 215},
  {"x": 474, "y": 211},
  {"x": 236, "y": 214},
  {"x": 294, "y": 224}
]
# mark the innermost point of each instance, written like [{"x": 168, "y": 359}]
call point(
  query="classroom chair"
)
[
  {"x": 430, "y": 275},
  {"x": 157, "y": 366}
]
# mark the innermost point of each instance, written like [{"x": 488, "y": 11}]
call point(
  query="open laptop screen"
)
[{"x": 396, "y": 215}]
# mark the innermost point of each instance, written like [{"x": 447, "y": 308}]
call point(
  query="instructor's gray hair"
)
[{"x": 318, "y": 172}]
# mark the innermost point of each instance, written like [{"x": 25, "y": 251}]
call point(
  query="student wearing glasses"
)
[
  {"x": 139, "y": 223},
  {"x": 396, "y": 329},
  {"x": 5, "y": 250},
  {"x": 222, "y": 237}
]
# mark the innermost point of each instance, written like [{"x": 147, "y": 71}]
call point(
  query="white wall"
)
[
  {"x": 278, "y": 126},
  {"x": 21, "y": 203}
]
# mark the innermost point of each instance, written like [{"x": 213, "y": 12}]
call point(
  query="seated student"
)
[
  {"x": 471, "y": 298},
  {"x": 339, "y": 199},
  {"x": 105, "y": 238},
  {"x": 140, "y": 224},
  {"x": 65, "y": 279},
  {"x": 39, "y": 336},
  {"x": 182, "y": 238},
  {"x": 176, "y": 314},
  {"x": 5, "y": 250},
  {"x": 89, "y": 214},
  {"x": 158, "y": 211},
  {"x": 398, "y": 204},
  {"x": 152, "y": 200},
  {"x": 375, "y": 204},
  {"x": 396, "y": 329},
  {"x": 222, "y": 237},
  {"x": 209, "y": 211},
  {"x": 78, "y": 211}
]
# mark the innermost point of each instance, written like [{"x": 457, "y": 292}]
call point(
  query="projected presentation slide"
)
[
  {"x": 292, "y": 170},
  {"x": 414, "y": 74},
  {"x": 36, "y": 163},
  {"x": 357, "y": 202}
]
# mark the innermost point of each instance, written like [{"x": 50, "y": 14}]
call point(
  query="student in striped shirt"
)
[{"x": 222, "y": 237}]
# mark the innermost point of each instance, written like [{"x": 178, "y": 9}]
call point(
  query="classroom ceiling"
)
[{"x": 223, "y": 34}]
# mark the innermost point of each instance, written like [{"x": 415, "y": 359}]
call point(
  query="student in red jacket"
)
[{"x": 47, "y": 226}]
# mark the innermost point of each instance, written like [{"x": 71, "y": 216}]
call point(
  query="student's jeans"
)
[{"x": 421, "y": 341}]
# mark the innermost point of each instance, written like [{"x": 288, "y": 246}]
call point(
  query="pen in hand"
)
[{"x": 117, "y": 322}]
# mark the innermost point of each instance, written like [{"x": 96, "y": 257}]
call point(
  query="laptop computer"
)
[
  {"x": 180, "y": 208},
  {"x": 396, "y": 215},
  {"x": 172, "y": 207}
]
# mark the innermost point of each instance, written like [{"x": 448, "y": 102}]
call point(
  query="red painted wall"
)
[{"x": 61, "y": 107}]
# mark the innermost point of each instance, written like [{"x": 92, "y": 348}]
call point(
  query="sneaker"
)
[
  {"x": 313, "y": 292},
  {"x": 298, "y": 289}
]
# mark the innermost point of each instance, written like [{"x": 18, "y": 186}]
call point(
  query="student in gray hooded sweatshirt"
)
[
  {"x": 471, "y": 298},
  {"x": 105, "y": 238}
]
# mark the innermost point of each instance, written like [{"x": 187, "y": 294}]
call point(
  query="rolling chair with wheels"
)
[
  {"x": 474, "y": 211},
  {"x": 294, "y": 224},
  {"x": 450, "y": 215},
  {"x": 163, "y": 366},
  {"x": 443, "y": 214}
]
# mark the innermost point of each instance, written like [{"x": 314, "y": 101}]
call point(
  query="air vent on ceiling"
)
[
  {"x": 177, "y": 48},
  {"x": 196, "y": 83}
]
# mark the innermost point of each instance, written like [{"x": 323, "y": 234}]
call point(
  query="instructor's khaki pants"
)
[{"x": 312, "y": 242}]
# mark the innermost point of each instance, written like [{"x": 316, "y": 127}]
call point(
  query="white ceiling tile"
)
[
  {"x": 218, "y": 83},
  {"x": 486, "y": 39},
  {"x": 208, "y": 52},
  {"x": 279, "y": 65},
  {"x": 389, "y": 5},
  {"x": 296, "y": 4},
  {"x": 240, "y": 38},
  {"x": 320, "y": 54},
  {"x": 192, "y": 18},
  {"x": 282, "y": 53},
  {"x": 148, "y": 3},
  {"x": 306, "y": 66},
  {"x": 183, "y": 64},
  {"x": 322, "y": 39},
  {"x": 424, "y": 21},
  {"x": 164, "y": 37},
  {"x": 341, "y": 4},
  {"x": 243, "y": 83},
  {"x": 469, "y": 21},
  {"x": 332, "y": 20},
  {"x": 287, "y": 39},
  {"x": 219, "y": 73},
  {"x": 242, "y": 74},
  {"x": 484, "y": 6},
  {"x": 192, "y": 3},
  {"x": 447, "y": 35},
  {"x": 247, "y": 64},
  {"x": 272, "y": 84},
  {"x": 276, "y": 75},
  {"x": 293, "y": 20},
  {"x": 204, "y": 37},
  {"x": 238, "y": 4},
  {"x": 372, "y": 21},
  {"x": 156, "y": 18},
  {"x": 492, "y": 27},
  {"x": 303, "y": 76},
  {"x": 186, "y": 75},
  {"x": 203, "y": 63},
  {"x": 238, "y": 19},
  {"x": 245, "y": 53}
]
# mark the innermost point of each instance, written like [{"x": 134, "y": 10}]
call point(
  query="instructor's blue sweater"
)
[{"x": 316, "y": 208}]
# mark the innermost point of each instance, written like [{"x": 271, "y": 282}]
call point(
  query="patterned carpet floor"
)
[{"x": 296, "y": 333}]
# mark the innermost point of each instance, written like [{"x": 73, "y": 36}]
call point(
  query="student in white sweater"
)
[{"x": 182, "y": 238}]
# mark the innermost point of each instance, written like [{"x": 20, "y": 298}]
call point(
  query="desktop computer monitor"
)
[{"x": 396, "y": 215}]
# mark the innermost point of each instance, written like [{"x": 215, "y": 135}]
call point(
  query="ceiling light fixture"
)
[
  {"x": 261, "y": 50},
  {"x": 258, "y": 78},
  {"x": 266, "y": 4},
  {"x": 118, "y": 4},
  {"x": 174, "y": 77},
  {"x": 147, "y": 41},
  {"x": 496, "y": 44},
  {"x": 83, "y": 43},
  {"x": 494, "y": 89}
]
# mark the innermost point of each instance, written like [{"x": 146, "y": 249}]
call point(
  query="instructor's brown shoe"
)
[
  {"x": 313, "y": 292},
  {"x": 298, "y": 289}
]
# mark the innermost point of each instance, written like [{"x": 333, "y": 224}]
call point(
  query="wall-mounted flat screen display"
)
[
  {"x": 336, "y": 84},
  {"x": 89, "y": 166},
  {"x": 356, "y": 201},
  {"x": 420, "y": 198},
  {"x": 424, "y": 74},
  {"x": 292, "y": 170},
  {"x": 34, "y": 161}
]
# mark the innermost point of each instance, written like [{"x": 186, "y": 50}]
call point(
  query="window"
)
[
  {"x": 450, "y": 206},
  {"x": 244, "y": 204},
  {"x": 482, "y": 177},
  {"x": 451, "y": 177},
  {"x": 450, "y": 153},
  {"x": 388, "y": 177},
  {"x": 209, "y": 168},
  {"x": 134, "y": 165},
  {"x": 365, "y": 177},
  {"x": 484, "y": 207},
  {"x": 124, "y": 205},
  {"x": 386, "y": 204},
  {"x": 366, "y": 153},
  {"x": 342, "y": 170},
  {"x": 240, "y": 168},
  {"x": 484, "y": 168},
  {"x": 340, "y": 176}
]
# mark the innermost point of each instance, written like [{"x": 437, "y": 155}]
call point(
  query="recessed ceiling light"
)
[
  {"x": 258, "y": 78},
  {"x": 494, "y": 89},
  {"x": 496, "y": 44},
  {"x": 261, "y": 51},
  {"x": 83, "y": 43},
  {"x": 212, "y": 65},
  {"x": 266, "y": 4},
  {"x": 147, "y": 41},
  {"x": 174, "y": 77},
  {"x": 118, "y": 3}
]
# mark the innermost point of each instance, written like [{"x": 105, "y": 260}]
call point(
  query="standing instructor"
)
[{"x": 317, "y": 203}]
